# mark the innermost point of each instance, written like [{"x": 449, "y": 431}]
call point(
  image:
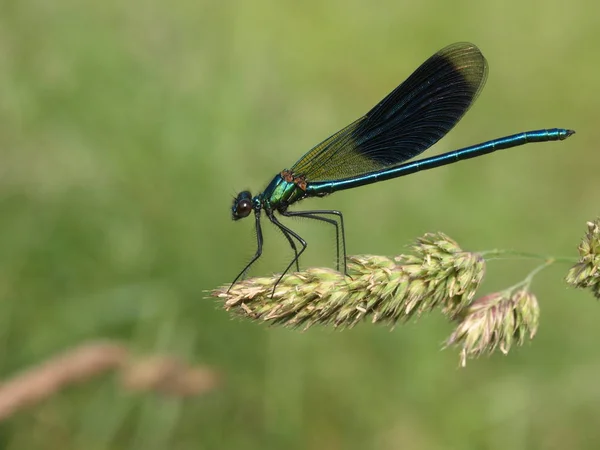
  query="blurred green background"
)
[{"x": 126, "y": 128}]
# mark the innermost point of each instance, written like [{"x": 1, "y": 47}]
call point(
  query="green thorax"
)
[{"x": 284, "y": 190}]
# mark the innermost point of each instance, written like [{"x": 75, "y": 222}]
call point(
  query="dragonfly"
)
[{"x": 377, "y": 146}]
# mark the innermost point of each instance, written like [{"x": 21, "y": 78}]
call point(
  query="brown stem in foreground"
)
[{"x": 162, "y": 374}]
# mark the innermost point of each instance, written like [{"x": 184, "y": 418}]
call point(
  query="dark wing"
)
[{"x": 412, "y": 118}]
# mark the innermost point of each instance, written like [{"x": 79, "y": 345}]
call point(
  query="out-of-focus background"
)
[{"x": 126, "y": 128}]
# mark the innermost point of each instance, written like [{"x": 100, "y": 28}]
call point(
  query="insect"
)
[{"x": 409, "y": 120}]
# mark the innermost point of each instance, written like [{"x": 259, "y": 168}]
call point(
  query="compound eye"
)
[
  {"x": 243, "y": 208},
  {"x": 242, "y": 205}
]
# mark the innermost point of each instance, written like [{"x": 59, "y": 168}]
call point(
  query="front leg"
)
[{"x": 259, "y": 246}]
